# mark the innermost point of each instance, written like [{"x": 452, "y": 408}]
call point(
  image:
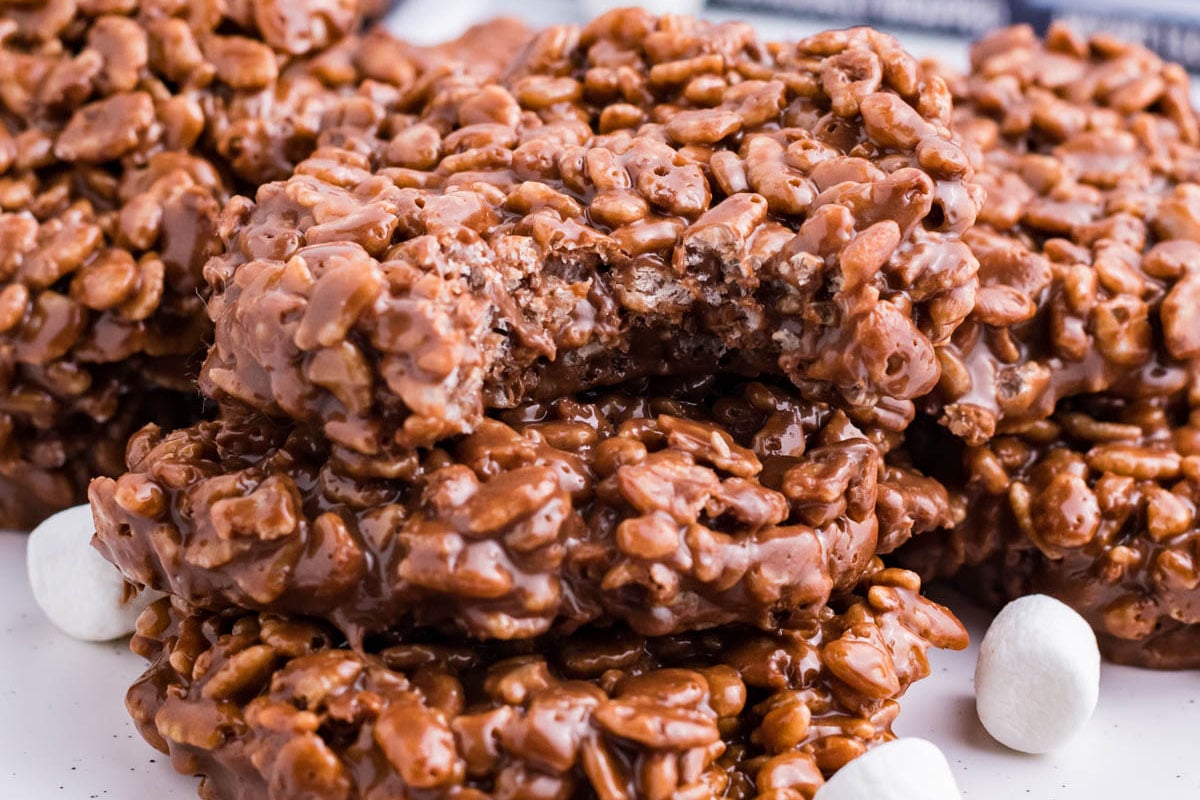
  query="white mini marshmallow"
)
[
  {"x": 1038, "y": 674},
  {"x": 903, "y": 769},
  {"x": 77, "y": 589}
]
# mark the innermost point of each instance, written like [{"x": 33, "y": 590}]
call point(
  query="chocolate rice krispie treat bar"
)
[
  {"x": 649, "y": 512},
  {"x": 123, "y": 130},
  {"x": 42, "y": 472},
  {"x": 99, "y": 303},
  {"x": 1073, "y": 379},
  {"x": 266, "y": 707},
  {"x": 1089, "y": 150},
  {"x": 635, "y": 197},
  {"x": 1096, "y": 506}
]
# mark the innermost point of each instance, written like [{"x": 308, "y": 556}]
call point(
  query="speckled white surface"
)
[
  {"x": 1139, "y": 744},
  {"x": 64, "y": 732}
]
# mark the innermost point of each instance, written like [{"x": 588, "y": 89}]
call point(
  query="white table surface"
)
[{"x": 64, "y": 733}]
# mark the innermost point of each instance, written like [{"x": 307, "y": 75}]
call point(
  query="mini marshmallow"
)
[
  {"x": 77, "y": 589},
  {"x": 903, "y": 769},
  {"x": 1038, "y": 674}
]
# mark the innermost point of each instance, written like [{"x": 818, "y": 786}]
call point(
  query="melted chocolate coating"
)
[
  {"x": 1089, "y": 151},
  {"x": 1097, "y": 507},
  {"x": 638, "y": 197},
  {"x": 266, "y": 707},
  {"x": 652, "y": 512},
  {"x": 123, "y": 129}
]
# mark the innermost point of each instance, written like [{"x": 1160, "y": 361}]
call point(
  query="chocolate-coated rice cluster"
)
[
  {"x": 1073, "y": 382},
  {"x": 644, "y": 511},
  {"x": 1089, "y": 151},
  {"x": 267, "y": 707},
  {"x": 42, "y": 472},
  {"x": 1096, "y": 506},
  {"x": 100, "y": 276},
  {"x": 124, "y": 127},
  {"x": 636, "y": 197}
]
